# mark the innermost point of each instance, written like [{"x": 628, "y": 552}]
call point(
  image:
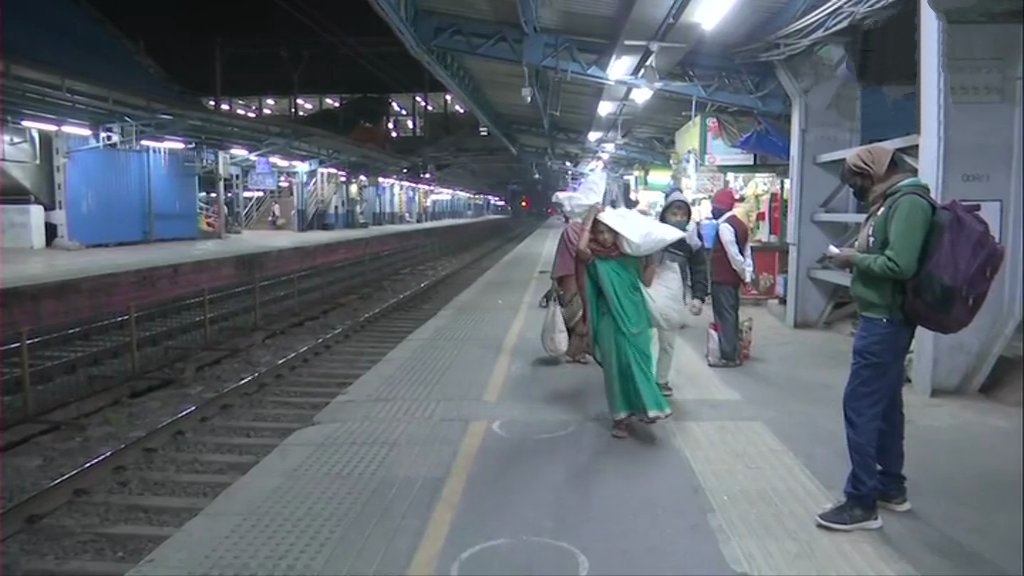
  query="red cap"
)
[{"x": 724, "y": 199}]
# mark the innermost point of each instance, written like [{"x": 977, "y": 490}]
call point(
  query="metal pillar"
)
[
  {"x": 825, "y": 119},
  {"x": 223, "y": 171},
  {"x": 59, "y": 215},
  {"x": 970, "y": 81}
]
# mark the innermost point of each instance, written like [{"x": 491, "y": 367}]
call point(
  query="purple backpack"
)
[{"x": 958, "y": 264}]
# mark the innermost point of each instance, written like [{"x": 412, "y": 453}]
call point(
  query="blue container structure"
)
[{"x": 130, "y": 196}]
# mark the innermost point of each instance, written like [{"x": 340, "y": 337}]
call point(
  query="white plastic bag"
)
[
  {"x": 665, "y": 297},
  {"x": 639, "y": 235},
  {"x": 553, "y": 334},
  {"x": 714, "y": 347},
  {"x": 574, "y": 205},
  {"x": 591, "y": 191}
]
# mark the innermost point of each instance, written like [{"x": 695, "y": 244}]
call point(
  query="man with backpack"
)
[
  {"x": 915, "y": 264},
  {"x": 884, "y": 259}
]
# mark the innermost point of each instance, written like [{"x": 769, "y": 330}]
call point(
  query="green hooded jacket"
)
[{"x": 895, "y": 240}]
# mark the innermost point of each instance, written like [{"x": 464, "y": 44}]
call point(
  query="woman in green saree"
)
[{"x": 620, "y": 327}]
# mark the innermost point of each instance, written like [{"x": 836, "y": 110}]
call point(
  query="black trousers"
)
[{"x": 725, "y": 305}]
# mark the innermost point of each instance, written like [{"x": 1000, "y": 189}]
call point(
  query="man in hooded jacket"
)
[{"x": 689, "y": 255}]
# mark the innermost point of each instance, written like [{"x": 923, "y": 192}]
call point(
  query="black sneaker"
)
[
  {"x": 894, "y": 502},
  {"x": 848, "y": 517}
]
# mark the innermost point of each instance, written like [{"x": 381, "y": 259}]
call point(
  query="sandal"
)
[
  {"x": 666, "y": 390},
  {"x": 620, "y": 429}
]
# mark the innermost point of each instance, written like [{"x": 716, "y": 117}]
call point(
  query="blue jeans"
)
[{"x": 873, "y": 410}]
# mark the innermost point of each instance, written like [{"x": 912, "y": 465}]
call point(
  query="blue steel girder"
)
[
  {"x": 528, "y": 20},
  {"x": 576, "y": 142},
  {"x": 577, "y": 59},
  {"x": 401, "y": 16}
]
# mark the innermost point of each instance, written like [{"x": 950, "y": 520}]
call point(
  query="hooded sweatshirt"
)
[
  {"x": 890, "y": 255},
  {"x": 688, "y": 252}
]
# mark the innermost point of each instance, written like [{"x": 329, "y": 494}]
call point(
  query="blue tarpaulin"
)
[{"x": 767, "y": 139}]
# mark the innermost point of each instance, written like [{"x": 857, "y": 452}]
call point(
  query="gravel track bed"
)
[
  {"x": 79, "y": 546},
  {"x": 159, "y": 462},
  {"x": 228, "y": 432},
  {"x": 138, "y": 487},
  {"x": 199, "y": 447},
  {"x": 36, "y": 464},
  {"x": 84, "y": 514}
]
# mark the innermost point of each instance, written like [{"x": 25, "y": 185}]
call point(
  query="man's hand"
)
[
  {"x": 696, "y": 307},
  {"x": 844, "y": 258}
]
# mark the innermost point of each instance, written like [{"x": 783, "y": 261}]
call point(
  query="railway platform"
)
[
  {"x": 466, "y": 452},
  {"x": 53, "y": 287}
]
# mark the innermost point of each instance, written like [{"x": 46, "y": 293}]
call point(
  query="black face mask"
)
[{"x": 861, "y": 194}]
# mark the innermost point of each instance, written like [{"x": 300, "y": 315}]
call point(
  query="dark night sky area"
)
[{"x": 349, "y": 48}]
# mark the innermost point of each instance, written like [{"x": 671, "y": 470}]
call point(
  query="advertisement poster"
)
[{"x": 717, "y": 152}]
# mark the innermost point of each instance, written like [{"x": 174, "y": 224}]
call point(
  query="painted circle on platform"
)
[
  {"x": 532, "y": 430},
  {"x": 523, "y": 555}
]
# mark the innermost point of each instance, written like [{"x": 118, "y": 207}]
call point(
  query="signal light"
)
[{"x": 525, "y": 204}]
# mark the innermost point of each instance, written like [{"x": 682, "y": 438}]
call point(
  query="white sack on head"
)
[{"x": 639, "y": 235}]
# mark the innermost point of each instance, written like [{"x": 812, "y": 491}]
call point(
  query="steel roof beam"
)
[
  {"x": 575, "y": 58},
  {"x": 572, "y": 141},
  {"x": 529, "y": 20},
  {"x": 401, "y": 16}
]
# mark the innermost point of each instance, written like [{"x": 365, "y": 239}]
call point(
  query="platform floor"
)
[
  {"x": 465, "y": 452},
  {"x": 28, "y": 267}
]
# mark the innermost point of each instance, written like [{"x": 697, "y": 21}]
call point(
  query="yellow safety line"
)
[{"x": 424, "y": 562}]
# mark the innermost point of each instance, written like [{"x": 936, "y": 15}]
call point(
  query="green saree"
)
[{"x": 620, "y": 328}]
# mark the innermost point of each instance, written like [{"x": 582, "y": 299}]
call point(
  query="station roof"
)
[
  {"x": 65, "y": 60},
  {"x": 559, "y": 80}
]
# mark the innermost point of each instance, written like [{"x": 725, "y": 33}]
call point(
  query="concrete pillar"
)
[
  {"x": 970, "y": 83},
  {"x": 825, "y": 118}
]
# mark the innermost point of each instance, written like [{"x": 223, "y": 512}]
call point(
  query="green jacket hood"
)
[{"x": 907, "y": 183}]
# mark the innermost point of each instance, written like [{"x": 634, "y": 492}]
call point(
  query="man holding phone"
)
[{"x": 884, "y": 258}]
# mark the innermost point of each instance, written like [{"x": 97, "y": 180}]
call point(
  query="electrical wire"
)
[{"x": 816, "y": 27}]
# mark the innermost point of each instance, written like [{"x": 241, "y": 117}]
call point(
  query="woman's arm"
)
[
  {"x": 647, "y": 273},
  {"x": 583, "y": 246}
]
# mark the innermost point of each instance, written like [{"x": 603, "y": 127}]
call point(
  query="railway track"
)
[
  {"x": 108, "y": 514},
  {"x": 44, "y": 372}
]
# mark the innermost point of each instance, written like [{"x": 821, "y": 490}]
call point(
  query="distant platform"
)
[
  {"x": 56, "y": 289},
  {"x": 28, "y": 267}
]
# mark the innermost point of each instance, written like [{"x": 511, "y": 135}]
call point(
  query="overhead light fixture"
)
[
  {"x": 225, "y": 106},
  {"x": 45, "y": 126},
  {"x": 240, "y": 112},
  {"x": 606, "y": 107},
  {"x": 268, "y": 111},
  {"x": 270, "y": 101},
  {"x": 211, "y": 103},
  {"x": 710, "y": 12},
  {"x": 307, "y": 105},
  {"x": 619, "y": 68},
  {"x": 460, "y": 109},
  {"x": 594, "y": 136},
  {"x": 238, "y": 152},
  {"x": 329, "y": 101},
  {"x": 76, "y": 130},
  {"x": 409, "y": 123},
  {"x": 608, "y": 146},
  {"x": 603, "y": 155},
  {"x": 641, "y": 94},
  {"x": 394, "y": 134},
  {"x": 448, "y": 97},
  {"x": 300, "y": 101},
  {"x": 250, "y": 114},
  {"x": 166, "y": 144}
]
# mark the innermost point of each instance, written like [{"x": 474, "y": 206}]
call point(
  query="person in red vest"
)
[{"x": 732, "y": 267}]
